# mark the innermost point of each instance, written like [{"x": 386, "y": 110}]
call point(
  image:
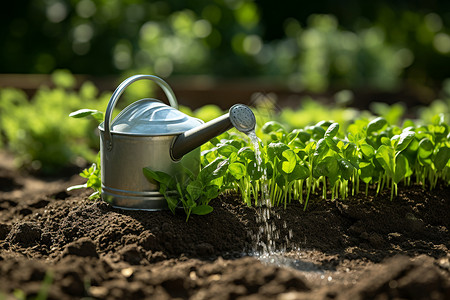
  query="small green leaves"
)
[
  {"x": 202, "y": 210},
  {"x": 366, "y": 171},
  {"x": 272, "y": 126},
  {"x": 291, "y": 161},
  {"x": 237, "y": 170},
  {"x": 157, "y": 176},
  {"x": 276, "y": 150},
  {"x": 193, "y": 196},
  {"x": 318, "y": 132},
  {"x": 332, "y": 130},
  {"x": 327, "y": 167},
  {"x": 405, "y": 138},
  {"x": 346, "y": 168},
  {"x": 401, "y": 168},
  {"x": 195, "y": 189},
  {"x": 376, "y": 125},
  {"x": 321, "y": 149},
  {"x": 425, "y": 148},
  {"x": 385, "y": 156},
  {"x": 367, "y": 150},
  {"x": 226, "y": 150},
  {"x": 442, "y": 157},
  {"x": 331, "y": 143}
]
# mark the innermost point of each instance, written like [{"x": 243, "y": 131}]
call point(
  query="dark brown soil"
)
[{"x": 366, "y": 247}]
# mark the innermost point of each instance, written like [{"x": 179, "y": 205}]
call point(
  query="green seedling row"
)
[{"x": 294, "y": 164}]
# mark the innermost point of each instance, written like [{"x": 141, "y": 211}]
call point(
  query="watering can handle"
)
[{"x": 119, "y": 91}]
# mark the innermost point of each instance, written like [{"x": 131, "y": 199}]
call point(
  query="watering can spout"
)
[{"x": 239, "y": 116}]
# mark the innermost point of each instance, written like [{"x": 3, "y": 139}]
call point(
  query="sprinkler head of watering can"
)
[
  {"x": 239, "y": 116},
  {"x": 242, "y": 118}
]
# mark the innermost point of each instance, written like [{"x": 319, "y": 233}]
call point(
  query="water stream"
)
[
  {"x": 267, "y": 240},
  {"x": 268, "y": 244}
]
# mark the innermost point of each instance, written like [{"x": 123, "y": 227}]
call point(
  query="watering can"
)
[{"x": 149, "y": 133}]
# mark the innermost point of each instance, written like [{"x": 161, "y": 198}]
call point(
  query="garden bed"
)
[{"x": 365, "y": 247}]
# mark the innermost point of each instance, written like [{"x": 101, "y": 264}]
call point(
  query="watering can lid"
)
[{"x": 149, "y": 117}]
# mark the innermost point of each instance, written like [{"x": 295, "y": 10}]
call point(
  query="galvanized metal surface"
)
[
  {"x": 141, "y": 136},
  {"x": 150, "y": 134},
  {"x": 242, "y": 118},
  {"x": 124, "y": 184},
  {"x": 151, "y": 117}
]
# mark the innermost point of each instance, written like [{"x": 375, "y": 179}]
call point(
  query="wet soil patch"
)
[{"x": 364, "y": 247}]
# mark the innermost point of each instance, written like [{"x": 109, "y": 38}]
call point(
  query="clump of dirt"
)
[{"x": 365, "y": 247}]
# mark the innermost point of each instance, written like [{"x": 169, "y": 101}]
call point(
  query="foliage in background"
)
[
  {"x": 38, "y": 130},
  {"x": 307, "y": 45},
  {"x": 40, "y": 133}
]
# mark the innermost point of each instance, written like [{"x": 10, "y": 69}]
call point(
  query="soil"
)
[{"x": 61, "y": 245}]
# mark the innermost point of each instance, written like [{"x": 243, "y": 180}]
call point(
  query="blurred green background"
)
[{"x": 306, "y": 45}]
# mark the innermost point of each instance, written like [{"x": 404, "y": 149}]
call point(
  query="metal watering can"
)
[{"x": 149, "y": 133}]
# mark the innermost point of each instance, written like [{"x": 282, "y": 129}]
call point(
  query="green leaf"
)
[
  {"x": 386, "y": 141},
  {"x": 215, "y": 141},
  {"x": 346, "y": 168},
  {"x": 367, "y": 150},
  {"x": 172, "y": 200},
  {"x": 299, "y": 172},
  {"x": 441, "y": 158},
  {"x": 211, "y": 192},
  {"x": 207, "y": 173},
  {"x": 425, "y": 148},
  {"x": 367, "y": 170},
  {"x": 221, "y": 168},
  {"x": 272, "y": 126},
  {"x": 195, "y": 189},
  {"x": 327, "y": 167},
  {"x": 276, "y": 150},
  {"x": 425, "y": 161},
  {"x": 318, "y": 132},
  {"x": 246, "y": 153},
  {"x": 254, "y": 171},
  {"x": 291, "y": 161},
  {"x": 269, "y": 170},
  {"x": 157, "y": 176},
  {"x": 83, "y": 113},
  {"x": 385, "y": 157},
  {"x": 226, "y": 150},
  {"x": 331, "y": 143},
  {"x": 376, "y": 125},
  {"x": 280, "y": 181},
  {"x": 438, "y": 119},
  {"x": 321, "y": 149},
  {"x": 310, "y": 148},
  {"x": 332, "y": 130},
  {"x": 237, "y": 170},
  {"x": 349, "y": 150},
  {"x": 301, "y": 134},
  {"x": 202, "y": 210},
  {"x": 324, "y": 123},
  {"x": 76, "y": 187},
  {"x": 405, "y": 138},
  {"x": 401, "y": 167}
]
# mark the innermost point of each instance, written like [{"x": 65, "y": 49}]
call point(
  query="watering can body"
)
[{"x": 149, "y": 133}]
